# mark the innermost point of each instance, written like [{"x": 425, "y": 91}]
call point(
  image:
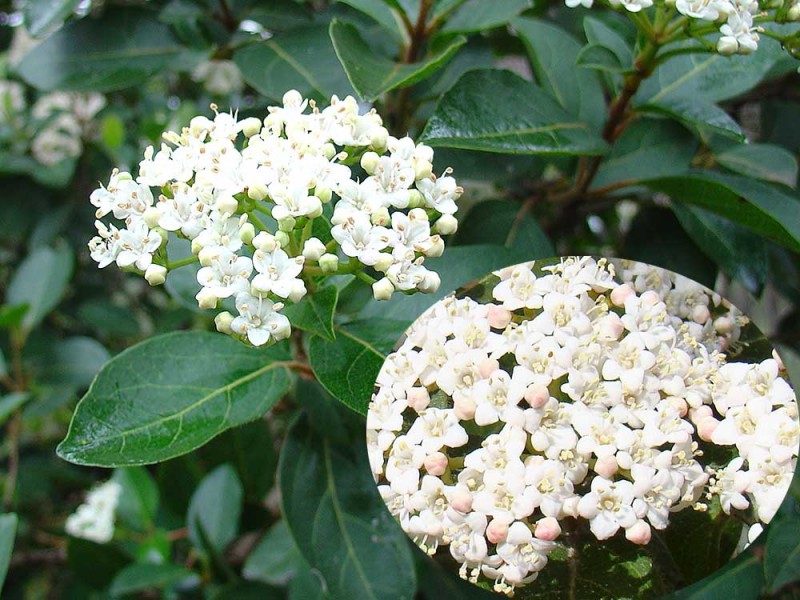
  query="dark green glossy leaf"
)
[
  {"x": 554, "y": 57},
  {"x": 138, "y": 578},
  {"x": 40, "y": 281},
  {"x": 479, "y": 15},
  {"x": 521, "y": 119},
  {"x": 600, "y": 34},
  {"x": 95, "y": 564},
  {"x": 600, "y": 58},
  {"x": 780, "y": 123},
  {"x": 339, "y": 521},
  {"x": 121, "y": 49},
  {"x": 738, "y": 251},
  {"x": 215, "y": 507},
  {"x": 704, "y": 118},
  {"x": 324, "y": 413},
  {"x": 504, "y": 223},
  {"x": 8, "y": 530},
  {"x": 171, "y": 394},
  {"x": 647, "y": 149},
  {"x": 371, "y": 74},
  {"x": 314, "y": 313},
  {"x": 761, "y": 161},
  {"x": 782, "y": 555},
  {"x": 769, "y": 210},
  {"x": 138, "y": 501},
  {"x": 11, "y": 402},
  {"x": 381, "y": 13},
  {"x": 307, "y": 585},
  {"x": 302, "y": 59},
  {"x": 44, "y": 15},
  {"x": 73, "y": 361},
  {"x": 348, "y": 367},
  {"x": 741, "y": 579},
  {"x": 247, "y": 590},
  {"x": 275, "y": 560},
  {"x": 11, "y": 314},
  {"x": 438, "y": 583}
]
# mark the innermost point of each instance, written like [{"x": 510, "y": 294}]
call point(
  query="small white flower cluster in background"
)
[
  {"x": 585, "y": 391},
  {"x": 219, "y": 77},
  {"x": 251, "y": 197},
  {"x": 94, "y": 519}
]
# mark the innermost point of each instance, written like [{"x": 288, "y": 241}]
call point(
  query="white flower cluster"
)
[
  {"x": 219, "y": 77},
  {"x": 94, "y": 519},
  {"x": 581, "y": 392},
  {"x": 735, "y": 18},
  {"x": 248, "y": 194}
]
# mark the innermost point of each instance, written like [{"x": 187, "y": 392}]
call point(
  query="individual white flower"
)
[
  {"x": 360, "y": 239},
  {"x": 94, "y": 519},
  {"x": 608, "y": 507},
  {"x": 227, "y": 275},
  {"x": 137, "y": 244},
  {"x": 277, "y": 272},
  {"x": 259, "y": 320},
  {"x": 436, "y": 428}
]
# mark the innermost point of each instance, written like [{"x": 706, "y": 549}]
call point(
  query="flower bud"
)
[
  {"x": 378, "y": 138},
  {"x": 706, "y": 428},
  {"x": 415, "y": 199},
  {"x": 446, "y": 225},
  {"x": 383, "y": 262},
  {"x": 155, "y": 274},
  {"x": 196, "y": 246},
  {"x": 381, "y": 217},
  {"x": 152, "y": 215},
  {"x": 606, "y": 466},
  {"x": 316, "y": 211},
  {"x": 777, "y": 358},
  {"x": 382, "y": 289},
  {"x": 462, "y": 500},
  {"x": 793, "y": 14},
  {"x": 430, "y": 283},
  {"x": 199, "y": 124},
  {"x": 282, "y": 239},
  {"x": 208, "y": 255},
  {"x": 247, "y": 233},
  {"x": 497, "y": 531},
  {"x": 621, "y": 293},
  {"x": 313, "y": 249},
  {"x": 723, "y": 325},
  {"x": 650, "y": 298},
  {"x": 437, "y": 247},
  {"x": 435, "y": 464},
  {"x": 488, "y": 366},
  {"x": 727, "y": 45},
  {"x": 206, "y": 299},
  {"x": 369, "y": 162},
  {"x": 323, "y": 193},
  {"x": 498, "y": 317},
  {"x": 418, "y": 398},
  {"x": 537, "y": 395},
  {"x": 422, "y": 169},
  {"x": 297, "y": 292},
  {"x": 250, "y": 126},
  {"x": 639, "y": 533},
  {"x": 547, "y": 529},
  {"x": 464, "y": 408},
  {"x": 287, "y": 224},
  {"x": 328, "y": 150},
  {"x": 329, "y": 263},
  {"x": 223, "y": 322},
  {"x": 700, "y": 314},
  {"x": 257, "y": 191},
  {"x": 227, "y": 205}
]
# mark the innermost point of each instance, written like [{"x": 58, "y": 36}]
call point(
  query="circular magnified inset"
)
[{"x": 583, "y": 428}]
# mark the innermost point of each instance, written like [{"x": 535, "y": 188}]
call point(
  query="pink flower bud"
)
[
  {"x": 547, "y": 529},
  {"x": 639, "y": 533},
  {"x": 606, "y": 467},
  {"x": 611, "y": 326},
  {"x": 418, "y": 398},
  {"x": 498, "y": 317},
  {"x": 679, "y": 404},
  {"x": 464, "y": 408},
  {"x": 462, "y": 501},
  {"x": 699, "y": 413},
  {"x": 779, "y": 360},
  {"x": 537, "y": 395},
  {"x": 706, "y": 428},
  {"x": 487, "y": 367},
  {"x": 497, "y": 531},
  {"x": 650, "y": 298},
  {"x": 435, "y": 464},
  {"x": 621, "y": 293},
  {"x": 700, "y": 314}
]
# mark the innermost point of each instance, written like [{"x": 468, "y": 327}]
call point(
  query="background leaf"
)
[
  {"x": 478, "y": 15},
  {"x": 215, "y": 507},
  {"x": 782, "y": 554},
  {"x": 275, "y": 560},
  {"x": 138, "y": 501},
  {"x": 139, "y": 578},
  {"x": 8, "y": 529},
  {"x": 761, "y": 161},
  {"x": 506, "y": 224},
  {"x": 42, "y": 15},
  {"x": 169, "y": 395}
]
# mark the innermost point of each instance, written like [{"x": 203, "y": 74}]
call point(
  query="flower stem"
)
[{"x": 182, "y": 262}]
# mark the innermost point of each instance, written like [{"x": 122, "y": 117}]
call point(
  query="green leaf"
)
[
  {"x": 769, "y": 210},
  {"x": 74, "y": 361},
  {"x": 95, "y": 564},
  {"x": 11, "y": 315},
  {"x": 554, "y": 56},
  {"x": 600, "y": 58},
  {"x": 216, "y": 506},
  {"x": 11, "y": 402},
  {"x": 479, "y": 15},
  {"x": 738, "y": 251},
  {"x": 275, "y": 560},
  {"x": 645, "y": 150},
  {"x": 782, "y": 555},
  {"x": 505, "y": 223},
  {"x": 436, "y": 582},
  {"x": 704, "y": 118},
  {"x": 8, "y": 529},
  {"x": 307, "y": 585},
  {"x": 521, "y": 119},
  {"x": 707, "y": 77},
  {"x": 43, "y": 15},
  {"x": 121, "y": 49},
  {"x": 761, "y": 161},
  {"x": 371, "y": 74},
  {"x": 339, "y": 521},
  {"x": 348, "y": 367},
  {"x": 300, "y": 59},
  {"x": 381, "y": 13},
  {"x": 247, "y": 590},
  {"x": 40, "y": 281},
  {"x": 138, "y": 502},
  {"x": 139, "y": 578},
  {"x": 314, "y": 313},
  {"x": 171, "y": 394},
  {"x": 741, "y": 579},
  {"x": 600, "y": 34},
  {"x": 657, "y": 238}
]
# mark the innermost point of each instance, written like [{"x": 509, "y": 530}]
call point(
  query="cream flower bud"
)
[
  {"x": 328, "y": 150},
  {"x": 199, "y": 124},
  {"x": 706, "y": 428},
  {"x": 282, "y": 239},
  {"x": 436, "y": 248},
  {"x": 462, "y": 500},
  {"x": 547, "y": 529},
  {"x": 382, "y": 289},
  {"x": 498, "y": 317},
  {"x": 297, "y": 292},
  {"x": 206, "y": 299},
  {"x": 247, "y": 233},
  {"x": 313, "y": 249},
  {"x": 621, "y": 293},
  {"x": 487, "y": 367},
  {"x": 606, "y": 466},
  {"x": 497, "y": 531},
  {"x": 435, "y": 464},
  {"x": 446, "y": 225},
  {"x": 793, "y": 14},
  {"x": 329, "y": 263},
  {"x": 650, "y": 298},
  {"x": 464, "y": 408},
  {"x": 415, "y": 199},
  {"x": 208, "y": 255},
  {"x": 378, "y": 138},
  {"x": 727, "y": 45},
  {"x": 196, "y": 246},
  {"x": 418, "y": 398},
  {"x": 223, "y": 322},
  {"x": 423, "y": 169},
  {"x": 430, "y": 283},
  {"x": 323, "y": 193},
  {"x": 292, "y": 98},
  {"x": 639, "y": 533},
  {"x": 152, "y": 215},
  {"x": 257, "y": 191},
  {"x": 369, "y": 162},
  {"x": 380, "y": 217},
  {"x": 700, "y": 314},
  {"x": 155, "y": 274},
  {"x": 250, "y": 126},
  {"x": 287, "y": 224},
  {"x": 723, "y": 325}
]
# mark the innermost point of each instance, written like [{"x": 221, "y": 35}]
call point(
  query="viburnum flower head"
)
[
  {"x": 267, "y": 209},
  {"x": 582, "y": 396}
]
